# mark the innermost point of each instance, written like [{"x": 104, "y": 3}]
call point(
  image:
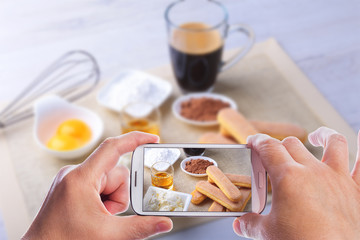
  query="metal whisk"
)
[{"x": 72, "y": 76}]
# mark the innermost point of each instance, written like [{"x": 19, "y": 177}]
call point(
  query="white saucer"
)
[
  {"x": 176, "y": 107},
  {"x": 183, "y": 162}
]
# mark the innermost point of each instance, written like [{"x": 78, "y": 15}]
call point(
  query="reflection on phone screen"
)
[{"x": 197, "y": 179}]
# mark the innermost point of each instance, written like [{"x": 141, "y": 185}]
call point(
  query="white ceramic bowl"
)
[
  {"x": 183, "y": 162},
  {"x": 185, "y": 197},
  {"x": 50, "y": 112},
  {"x": 153, "y": 155},
  {"x": 133, "y": 86},
  {"x": 176, "y": 107}
]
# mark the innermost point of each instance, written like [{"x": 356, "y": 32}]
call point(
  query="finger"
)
[
  {"x": 63, "y": 172},
  {"x": 116, "y": 188},
  {"x": 249, "y": 225},
  {"x": 137, "y": 227},
  {"x": 106, "y": 156},
  {"x": 298, "y": 151},
  {"x": 319, "y": 136},
  {"x": 336, "y": 153},
  {"x": 356, "y": 170},
  {"x": 59, "y": 176},
  {"x": 271, "y": 152}
]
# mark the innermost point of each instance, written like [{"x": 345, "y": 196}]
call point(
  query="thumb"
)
[
  {"x": 106, "y": 156},
  {"x": 137, "y": 227},
  {"x": 249, "y": 225}
]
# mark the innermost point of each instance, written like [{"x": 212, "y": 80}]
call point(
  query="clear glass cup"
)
[
  {"x": 196, "y": 34},
  {"x": 162, "y": 175},
  {"x": 140, "y": 116}
]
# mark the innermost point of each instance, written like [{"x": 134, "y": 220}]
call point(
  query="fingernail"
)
[
  {"x": 162, "y": 227},
  {"x": 237, "y": 227}
]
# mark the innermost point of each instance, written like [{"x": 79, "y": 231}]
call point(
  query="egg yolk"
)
[
  {"x": 76, "y": 129},
  {"x": 63, "y": 143},
  {"x": 71, "y": 134}
]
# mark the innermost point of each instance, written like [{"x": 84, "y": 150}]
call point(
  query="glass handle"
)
[{"x": 243, "y": 29}]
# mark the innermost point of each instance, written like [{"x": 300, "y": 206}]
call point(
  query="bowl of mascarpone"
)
[{"x": 160, "y": 199}]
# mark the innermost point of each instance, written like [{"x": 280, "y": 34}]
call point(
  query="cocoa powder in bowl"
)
[
  {"x": 197, "y": 166},
  {"x": 202, "y": 109}
]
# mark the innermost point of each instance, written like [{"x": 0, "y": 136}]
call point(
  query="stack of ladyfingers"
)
[
  {"x": 235, "y": 128},
  {"x": 230, "y": 192}
]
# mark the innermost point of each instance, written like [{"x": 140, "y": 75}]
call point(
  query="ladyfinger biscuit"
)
[
  {"x": 237, "y": 180},
  {"x": 246, "y": 197},
  {"x": 246, "y": 192},
  {"x": 280, "y": 130},
  {"x": 269, "y": 188},
  {"x": 236, "y": 124},
  {"x": 217, "y": 195},
  {"x": 216, "y": 207},
  {"x": 225, "y": 132},
  {"x": 212, "y": 137},
  {"x": 226, "y": 186},
  {"x": 197, "y": 197}
]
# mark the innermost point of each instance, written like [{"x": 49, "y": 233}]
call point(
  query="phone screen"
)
[{"x": 197, "y": 179}]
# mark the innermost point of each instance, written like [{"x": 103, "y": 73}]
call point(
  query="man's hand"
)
[
  {"x": 83, "y": 198},
  {"x": 311, "y": 199}
]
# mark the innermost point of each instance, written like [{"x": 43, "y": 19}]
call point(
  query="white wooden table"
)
[{"x": 322, "y": 37}]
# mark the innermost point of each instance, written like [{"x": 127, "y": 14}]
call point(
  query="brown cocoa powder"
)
[
  {"x": 197, "y": 166},
  {"x": 202, "y": 109}
]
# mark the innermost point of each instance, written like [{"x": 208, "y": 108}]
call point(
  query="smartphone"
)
[{"x": 197, "y": 180}]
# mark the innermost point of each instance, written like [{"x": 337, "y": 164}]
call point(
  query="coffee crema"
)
[
  {"x": 195, "y": 51},
  {"x": 196, "y": 38}
]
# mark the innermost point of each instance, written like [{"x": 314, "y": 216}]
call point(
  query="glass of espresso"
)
[{"x": 196, "y": 33}]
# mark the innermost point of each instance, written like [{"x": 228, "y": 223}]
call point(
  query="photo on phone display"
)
[{"x": 195, "y": 179}]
